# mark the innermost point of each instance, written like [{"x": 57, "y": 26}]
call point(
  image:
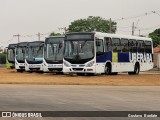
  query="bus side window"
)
[
  {"x": 124, "y": 45},
  {"x": 99, "y": 46},
  {"x": 116, "y": 45},
  {"x": 148, "y": 47},
  {"x": 132, "y": 46},
  {"x": 140, "y": 46},
  {"x": 107, "y": 44}
]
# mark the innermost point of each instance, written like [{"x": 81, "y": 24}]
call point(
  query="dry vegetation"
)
[{"x": 144, "y": 79}]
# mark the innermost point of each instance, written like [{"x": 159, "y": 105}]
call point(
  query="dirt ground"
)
[{"x": 151, "y": 78}]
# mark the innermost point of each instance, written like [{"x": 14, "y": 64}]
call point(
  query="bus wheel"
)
[
  {"x": 136, "y": 69},
  {"x": 81, "y": 74},
  {"x": 90, "y": 74},
  {"x": 107, "y": 69},
  {"x": 19, "y": 70},
  {"x": 114, "y": 73}
]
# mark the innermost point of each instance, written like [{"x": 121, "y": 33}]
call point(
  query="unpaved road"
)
[{"x": 123, "y": 79}]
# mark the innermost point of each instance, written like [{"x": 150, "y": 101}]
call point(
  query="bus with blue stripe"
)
[{"x": 97, "y": 53}]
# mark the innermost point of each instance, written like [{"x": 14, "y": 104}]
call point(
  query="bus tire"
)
[
  {"x": 136, "y": 69},
  {"x": 107, "y": 70},
  {"x": 114, "y": 73},
  {"x": 19, "y": 70},
  {"x": 81, "y": 74}
]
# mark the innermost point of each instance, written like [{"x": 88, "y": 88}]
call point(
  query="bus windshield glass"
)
[
  {"x": 35, "y": 52},
  {"x": 20, "y": 53},
  {"x": 79, "y": 49},
  {"x": 11, "y": 54},
  {"x": 54, "y": 49}
]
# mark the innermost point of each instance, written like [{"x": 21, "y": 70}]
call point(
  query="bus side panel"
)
[
  {"x": 107, "y": 56},
  {"x": 123, "y": 57},
  {"x": 101, "y": 61}
]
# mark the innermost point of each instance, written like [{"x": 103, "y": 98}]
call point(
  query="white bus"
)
[
  {"x": 20, "y": 56},
  {"x": 53, "y": 54},
  {"x": 34, "y": 56},
  {"x": 96, "y": 53}
]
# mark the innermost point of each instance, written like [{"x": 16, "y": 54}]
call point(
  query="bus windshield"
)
[
  {"x": 54, "y": 49},
  {"x": 35, "y": 52},
  {"x": 20, "y": 53},
  {"x": 79, "y": 49},
  {"x": 11, "y": 54}
]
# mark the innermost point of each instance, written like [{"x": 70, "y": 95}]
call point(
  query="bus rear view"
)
[
  {"x": 20, "y": 56},
  {"x": 53, "y": 54},
  {"x": 34, "y": 56},
  {"x": 10, "y": 59}
]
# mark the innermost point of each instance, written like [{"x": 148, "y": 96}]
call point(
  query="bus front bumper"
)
[{"x": 79, "y": 69}]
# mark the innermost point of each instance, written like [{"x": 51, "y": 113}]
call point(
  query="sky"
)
[{"x": 28, "y": 17}]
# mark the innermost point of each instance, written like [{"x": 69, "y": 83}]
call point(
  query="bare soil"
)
[{"x": 122, "y": 79}]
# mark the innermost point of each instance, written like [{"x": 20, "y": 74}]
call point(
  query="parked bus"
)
[
  {"x": 10, "y": 58},
  {"x": 34, "y": 56},
  {"x": 53, "y": 54},
  {"x": 20, "y": 56},
  {"x": 95, "y": 52}
]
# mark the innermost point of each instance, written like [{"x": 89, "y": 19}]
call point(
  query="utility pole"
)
[
  {"x": 17, "y": 36},
  {"x": 133, "y": 28},
  {"x": 39, "y": 36},
  {"x": 139, "y": 32},
  {"x": 110, "y": 25},
  {"x": 65, "y": 30}
]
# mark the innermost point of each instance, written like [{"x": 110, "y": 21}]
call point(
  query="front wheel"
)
[
  {"x": 19, "y": 70},
  {"x": 107, "y": 69}
]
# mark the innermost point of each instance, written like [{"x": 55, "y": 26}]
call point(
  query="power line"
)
[{"x": 137, "y": 16}]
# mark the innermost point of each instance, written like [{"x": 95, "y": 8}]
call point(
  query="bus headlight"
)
[
  {"x": 66, "y": 64},
  {"x": 90, "y": 64}
]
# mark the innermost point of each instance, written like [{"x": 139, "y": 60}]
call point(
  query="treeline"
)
[{"x": 2, "y": 58}]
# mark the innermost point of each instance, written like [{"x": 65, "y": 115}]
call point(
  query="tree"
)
[
  {"x": 2, "y": 58},
  {"x": 155, "y": 35},
  {"x": 54, "y": 34},
  {"x": 91, "y": 24},
  {"x": 1, "y": 49}
]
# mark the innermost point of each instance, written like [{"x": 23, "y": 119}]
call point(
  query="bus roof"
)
[
  {"x": 51, "y": 38},
  {"x": 112, "y": 35},
  {"x": 22, "y": 44},
  {"x": 100, "y": 34},
  {"x": 11, "y": 46},
  {"x": 58, "y": 36},
  {"x": 35, "y": 43}
]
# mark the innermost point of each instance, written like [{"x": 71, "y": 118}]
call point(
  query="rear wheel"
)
[{"x": 136, "y": 70}]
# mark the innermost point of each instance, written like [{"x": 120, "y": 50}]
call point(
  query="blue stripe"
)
[
  {"x": 123, "y": 57},
  {"x": 107, "y": 56}
]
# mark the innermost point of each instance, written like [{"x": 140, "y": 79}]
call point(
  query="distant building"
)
[{"x": 157, "y": 56}]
